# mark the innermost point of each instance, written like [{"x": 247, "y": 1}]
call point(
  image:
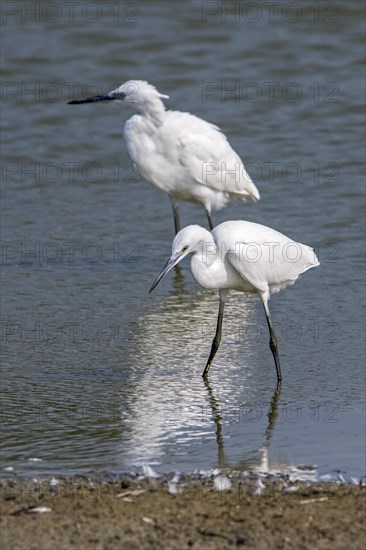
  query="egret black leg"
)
[
  {"x": 208, "y": 214},
  {"x": 175, "y": 206},
  {"x": 272, "y": 336},
  {"x": 217, "y": 339}
]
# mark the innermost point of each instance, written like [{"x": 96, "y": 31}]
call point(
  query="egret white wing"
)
[
  {"x": 271, "y": 264},
  {"x": 210, "y": 160}
]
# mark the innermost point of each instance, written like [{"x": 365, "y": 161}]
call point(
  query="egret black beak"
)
[
  {"x": 168, "y": 266},
  {"x": 94, "y": 98}
]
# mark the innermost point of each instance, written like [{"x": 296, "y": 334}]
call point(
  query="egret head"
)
[
  {"x": 134, "y": 93},
  {"x": 186, "y": 241},
  {"x": 137, "y": 92}
]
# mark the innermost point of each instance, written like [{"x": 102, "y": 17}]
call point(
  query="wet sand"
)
[{"x": 135, "y": 514}]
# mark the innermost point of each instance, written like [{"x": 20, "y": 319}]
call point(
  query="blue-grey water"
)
[{"x": 96, "y": 374}]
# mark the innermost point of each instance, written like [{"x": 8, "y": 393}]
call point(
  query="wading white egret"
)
[
  {"x": 243, "y": 256},
  {"x": 179, "y": 153}
]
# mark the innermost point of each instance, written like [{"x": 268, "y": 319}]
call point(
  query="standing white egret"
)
[
  {"x": 243, "y": 256},
  {"x": 179, "y": 153}
]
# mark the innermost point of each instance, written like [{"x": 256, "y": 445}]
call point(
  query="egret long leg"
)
[
  {"x": 208, "y": 214},
  {"x": 217, "y": 339},
  {"x": 175, "y": 206},
  {"x": 272, "y": 335}
]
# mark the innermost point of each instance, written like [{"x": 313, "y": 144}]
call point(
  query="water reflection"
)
[
  {"x": 272, "y": 417},
  {"x": 175, "y": 418},
  {"x": 178, "y": 330},
  {"x": 217, "y": 416},
  {"x": 178, "y": 279},
  {"x": 259, "y": 465}
]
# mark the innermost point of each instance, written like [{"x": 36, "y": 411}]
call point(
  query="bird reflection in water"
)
[
  {"x": 178, "y": 280},
  {"x": 164, "y": 412},
  {"x": 217, "y": 416}
]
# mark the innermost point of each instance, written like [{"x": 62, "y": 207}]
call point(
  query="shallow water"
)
[{"x": 97, "y": 374}]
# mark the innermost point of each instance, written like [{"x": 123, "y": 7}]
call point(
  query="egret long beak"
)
[
  {"x": 168, "y": 266},
  {"x": 107, "y": 97}
]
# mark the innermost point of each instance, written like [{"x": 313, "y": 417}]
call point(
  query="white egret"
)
[
  {"x": 243, "y": 256},
  {"x": 179, "y": 153}
]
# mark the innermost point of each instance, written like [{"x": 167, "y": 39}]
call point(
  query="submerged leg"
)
[
  {"x": 208, "y": 214},
  {"x": 175, "y": 206},
  {"x": 216, "y": 341},
  {"x": 272, "y": 336}
]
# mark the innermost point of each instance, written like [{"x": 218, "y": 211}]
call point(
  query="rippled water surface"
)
[{"x": 97, "y": 374}]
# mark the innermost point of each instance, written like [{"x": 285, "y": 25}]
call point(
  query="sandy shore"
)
[{"x": 138, "y": 514}]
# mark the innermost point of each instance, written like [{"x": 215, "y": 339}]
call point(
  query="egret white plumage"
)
[
  {"x": 242, "y": 256},
  {"x": 179, "y": 153}
]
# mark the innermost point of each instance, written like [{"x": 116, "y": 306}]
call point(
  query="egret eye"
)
[
  {"x": 185, "y": 248},
  {"x": 122, "y": 95}
]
